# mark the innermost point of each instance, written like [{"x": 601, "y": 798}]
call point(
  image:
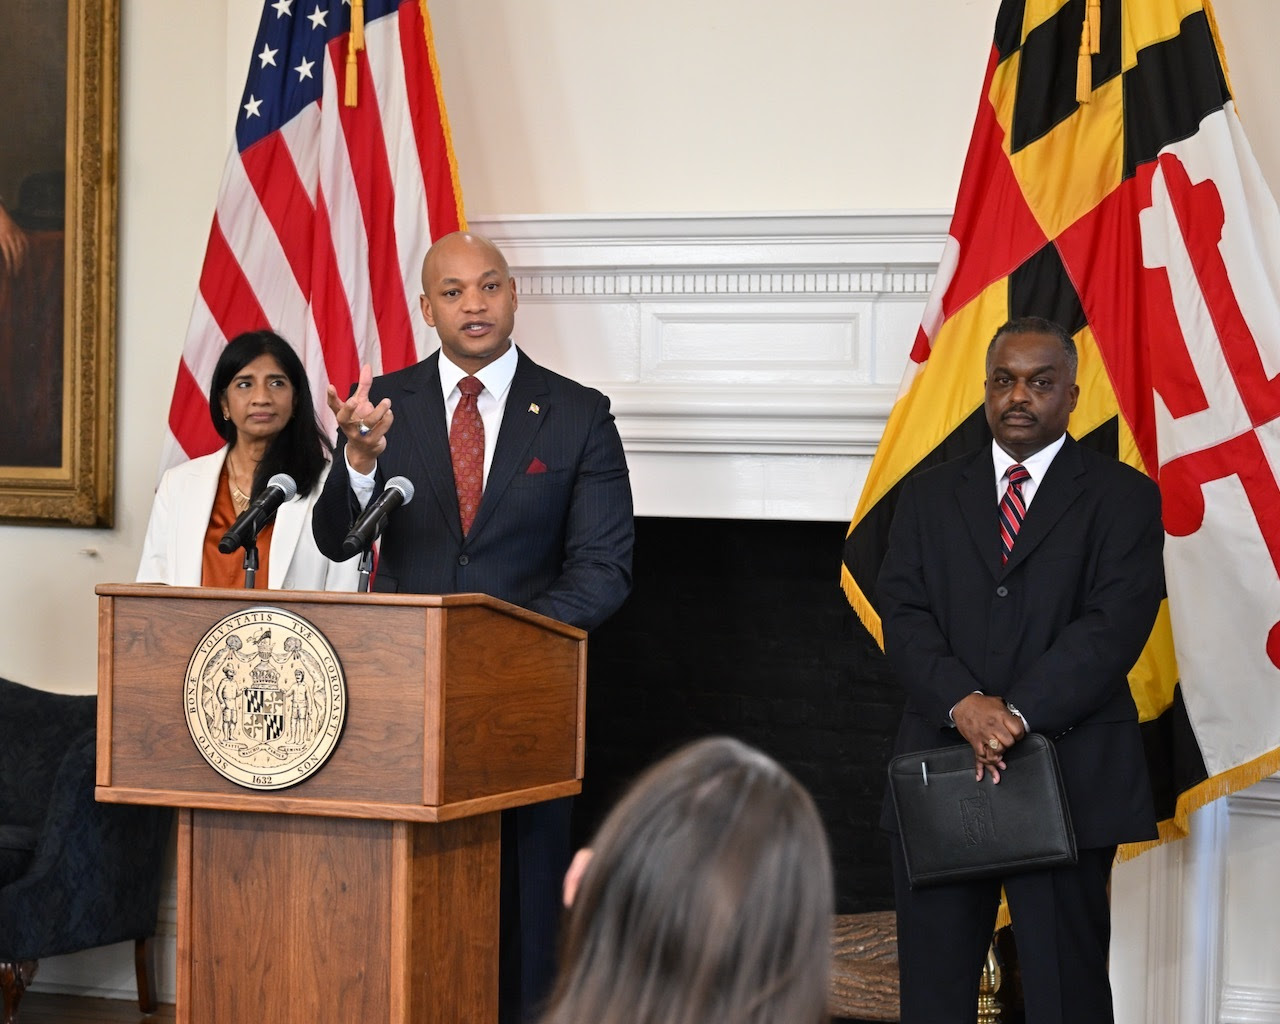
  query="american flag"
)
[{"x": 341, "y": 175}]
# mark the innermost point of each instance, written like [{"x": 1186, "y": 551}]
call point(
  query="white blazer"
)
[{"x": 173, "y": 551}]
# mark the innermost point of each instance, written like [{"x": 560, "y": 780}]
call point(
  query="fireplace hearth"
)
[{"x": 740, "y": 627}]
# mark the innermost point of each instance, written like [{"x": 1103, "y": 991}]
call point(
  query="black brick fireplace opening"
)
[{"x": 740, "y": 627}]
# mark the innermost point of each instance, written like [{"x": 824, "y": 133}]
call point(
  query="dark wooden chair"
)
[{"x": 74, "y": 874}]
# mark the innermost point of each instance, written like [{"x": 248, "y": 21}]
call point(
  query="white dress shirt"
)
[
  {"x": 491, "y": 403},
  {"x": 1037, "y": 465}
]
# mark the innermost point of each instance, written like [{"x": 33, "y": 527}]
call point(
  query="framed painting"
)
[{"x": 58, "y": 160}]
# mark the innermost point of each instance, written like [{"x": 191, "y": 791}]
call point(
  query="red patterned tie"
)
[
  {"x": 466, "y": 446},
  {"x": 1012, "y": 509}
]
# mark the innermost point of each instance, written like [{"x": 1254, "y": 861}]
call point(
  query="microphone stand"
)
[
  {"x": 250, "y": 564},
  {"x": 366, "y": 568}
]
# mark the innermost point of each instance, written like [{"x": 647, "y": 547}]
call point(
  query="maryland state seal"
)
[{"x": 265, "y": 698}]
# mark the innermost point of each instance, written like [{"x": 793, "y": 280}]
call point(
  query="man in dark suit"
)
[
  {"x": 993, "y": 635},
  {"x": 522, "y": 494}
]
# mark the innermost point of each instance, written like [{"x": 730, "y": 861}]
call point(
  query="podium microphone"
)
[
  {"x": 280, "y": 488},
  {"x": 398, "y": 491}
]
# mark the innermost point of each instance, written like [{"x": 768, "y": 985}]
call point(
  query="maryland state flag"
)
[{"x": 1109, "y": 187}]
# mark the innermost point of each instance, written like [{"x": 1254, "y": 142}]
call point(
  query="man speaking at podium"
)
[{"x": 522, "y": 493}]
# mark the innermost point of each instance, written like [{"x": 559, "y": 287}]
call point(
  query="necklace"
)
[{"x": 239, "y": 500}]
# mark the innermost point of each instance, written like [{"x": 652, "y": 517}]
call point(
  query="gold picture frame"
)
[{"x": 57, "y": 456}]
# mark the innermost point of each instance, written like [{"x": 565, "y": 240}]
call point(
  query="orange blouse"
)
[{"x": 219, "y": 570}]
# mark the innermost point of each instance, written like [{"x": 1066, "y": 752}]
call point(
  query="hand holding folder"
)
[{"x": 955, "y": 827}]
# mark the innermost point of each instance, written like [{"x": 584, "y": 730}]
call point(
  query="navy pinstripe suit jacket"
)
[
  {"x": 553, "y": 534},
  {"x": 554, "y": 529}
]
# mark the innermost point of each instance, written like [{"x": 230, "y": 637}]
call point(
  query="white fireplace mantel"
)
[{"x": 751, "y": 360}]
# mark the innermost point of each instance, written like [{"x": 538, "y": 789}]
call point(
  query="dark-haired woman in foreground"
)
[
  {"x": 261, "y": 405},
  {"x": 707, "y": 899}
]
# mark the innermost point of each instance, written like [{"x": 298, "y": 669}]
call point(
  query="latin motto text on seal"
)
[{"x": 265, "y": 698}]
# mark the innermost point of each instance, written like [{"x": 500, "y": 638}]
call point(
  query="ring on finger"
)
[
  {"x": 364, "y": 428},
  {"x": 993, "y": 743}
]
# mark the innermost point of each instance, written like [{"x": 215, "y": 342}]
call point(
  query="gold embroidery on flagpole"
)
[{"x": 355, "y": 43}]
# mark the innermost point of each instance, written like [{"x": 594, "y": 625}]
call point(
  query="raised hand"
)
[{"x": 364, "y": 424}]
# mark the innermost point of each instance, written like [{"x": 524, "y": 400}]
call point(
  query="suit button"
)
[
  {"x": 1002, "y": 591},
  {"x": 463, "y": 559}
]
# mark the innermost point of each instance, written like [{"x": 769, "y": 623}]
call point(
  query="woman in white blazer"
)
[{"x": 261, "y": 405}]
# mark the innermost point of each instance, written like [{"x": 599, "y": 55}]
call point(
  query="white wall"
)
[{"x": 725, "y": 106}]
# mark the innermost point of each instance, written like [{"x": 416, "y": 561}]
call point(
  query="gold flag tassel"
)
[
  {"x": 1090, "y": 43},
  {"x": 355, "y": 43}
]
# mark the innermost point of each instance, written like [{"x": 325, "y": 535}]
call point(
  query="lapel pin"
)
[{"x": 533, "y": 408}]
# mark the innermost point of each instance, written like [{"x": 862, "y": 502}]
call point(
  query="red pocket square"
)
[{"x": 536, "y": 466}]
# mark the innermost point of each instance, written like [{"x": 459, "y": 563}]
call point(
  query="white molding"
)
[
  {"x": 1168, "y": 917},
  {"x": 1261, "y": 800},
  {"x": 1188, "y": 908},
  {"x": 599, "y": 283},
  {"x": 1241, "y": 1005},
  {"x": 783, "y": 421},
  {"x": 1200, "y": 897},
  {"x": 783, "y": 240},
  {"x": 750, "y": 344}
]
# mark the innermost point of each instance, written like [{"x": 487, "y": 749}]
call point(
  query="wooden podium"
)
[{"x": 369, "y": 891}]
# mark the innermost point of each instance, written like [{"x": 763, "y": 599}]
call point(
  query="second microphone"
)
[{"x": 367, "y": 529}]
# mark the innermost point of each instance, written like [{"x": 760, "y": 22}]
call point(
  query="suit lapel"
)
[
  {"x": 424, "y": 410},
  {"x": 1056, "y": 493},
  {"x": 520, "y": 424},
  {"x": 979, "y": 509}
]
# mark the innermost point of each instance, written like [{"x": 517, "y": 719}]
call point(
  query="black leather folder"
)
[{"x": 955, "y": 828}]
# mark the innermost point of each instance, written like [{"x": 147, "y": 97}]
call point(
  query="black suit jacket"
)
[
  {"x": 554, "y": 529},
  {"x": 1054, "y": 632}
]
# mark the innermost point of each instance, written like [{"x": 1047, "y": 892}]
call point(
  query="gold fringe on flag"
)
[
  {"x": 1222, "y": 54},
  {"x": 355, "y": 43},
  {"x": 869, "y": 616},
  {"x": 444, "y": 116},
  {"x": 1223, "y": 784}
]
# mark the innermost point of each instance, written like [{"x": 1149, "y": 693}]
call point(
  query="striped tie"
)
[{"x": 1012, "y": 509}]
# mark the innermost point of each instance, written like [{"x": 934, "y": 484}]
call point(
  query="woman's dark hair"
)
[
  {"x": 708, "y": 900},
  {"x": 299, "y": 449}
]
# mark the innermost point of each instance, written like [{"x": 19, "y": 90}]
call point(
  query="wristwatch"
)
[{"x": 1014, "y": 711}]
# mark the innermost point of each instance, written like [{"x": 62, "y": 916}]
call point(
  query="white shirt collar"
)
[
  {"x": 496, "y": 377},
  {"x": 1037, "y": 465}
]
